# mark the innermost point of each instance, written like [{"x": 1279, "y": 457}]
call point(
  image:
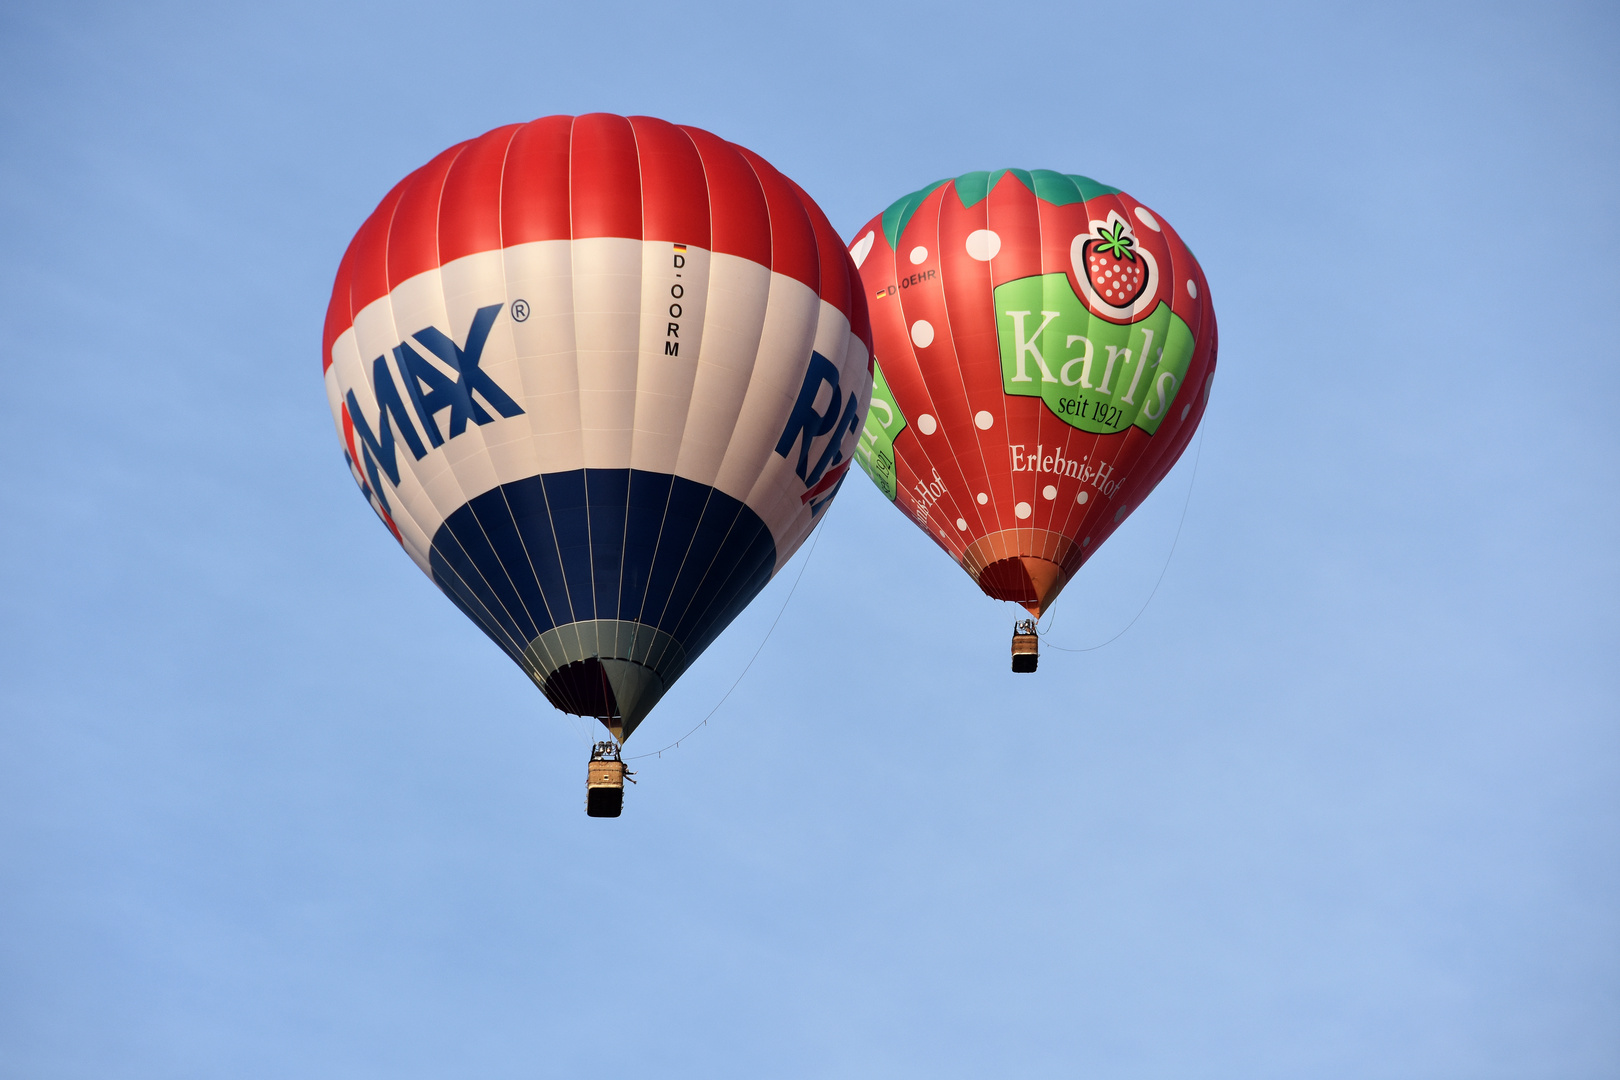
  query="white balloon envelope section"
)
[{"x": 599, "y": 376}]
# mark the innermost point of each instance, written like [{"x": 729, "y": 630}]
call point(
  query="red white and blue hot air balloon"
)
[{"x": 599, "y": 376}]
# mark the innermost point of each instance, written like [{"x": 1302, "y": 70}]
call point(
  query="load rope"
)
[
  {"x": 802, "y": 566},
  {"x": 1197, "y": 455}
]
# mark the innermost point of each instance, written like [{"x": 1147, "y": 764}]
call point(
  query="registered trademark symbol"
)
[{"x": 520, "y": 310}]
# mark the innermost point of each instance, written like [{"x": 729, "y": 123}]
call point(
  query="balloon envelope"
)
[
  {"x": 599, "y": 376},
  {"x": 1044, "y": 350}
]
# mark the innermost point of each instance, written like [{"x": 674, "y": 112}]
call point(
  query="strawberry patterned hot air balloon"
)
[
  {"x": 599, "y": 376},
  {"x": 1044, "y": 350}
]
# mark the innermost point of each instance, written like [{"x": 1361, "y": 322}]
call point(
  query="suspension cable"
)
[
  {"x": 802, "y": 567},
  {"x": 1197, "y": 455}
]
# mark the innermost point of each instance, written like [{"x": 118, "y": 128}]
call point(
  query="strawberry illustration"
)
[{"x": 1112, "y": 265}]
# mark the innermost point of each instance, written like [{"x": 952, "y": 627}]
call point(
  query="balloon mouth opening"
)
[
  {"x": 1022, "y": 579},
  {"x": 582, "y": 688},
  {"x": 619, "y": 693}
]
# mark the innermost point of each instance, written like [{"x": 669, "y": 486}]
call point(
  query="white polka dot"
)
[
  {"x": 1192, "y": 288},
  {"x": 981, "y": 498},
  {"x": 927, "y": 424},
  {"x": 1048, "y": 492},
  {"x": 961, "y": 523},
  {"x": 1119, "y": 514},
  {"x": 1081, "y": 498},
  {"x": 1147, "y": 219},
  {"x": 1185, "y": 409},
  {"x": 983, "y": 420},
  {"x": 1022, "y": 510},
  {"x": 918, "y": 254},
  {"x": 982, "y": 244},
  {"x": 862, "y": 248},
  {"x": 922, "y": 333}
]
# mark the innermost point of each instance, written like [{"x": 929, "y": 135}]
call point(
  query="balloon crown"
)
[{"x": 1059, "y": 189}]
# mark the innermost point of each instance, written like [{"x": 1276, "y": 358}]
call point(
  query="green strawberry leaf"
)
[{"x": 1117, "y": 243}]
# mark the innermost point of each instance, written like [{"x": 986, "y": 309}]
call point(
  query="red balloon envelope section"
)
[{"x": 1044, "y": 348}]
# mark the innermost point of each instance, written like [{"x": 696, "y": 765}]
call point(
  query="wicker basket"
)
[
  {"x": 604, "y": 789},
  {"x": 1026, "y": 653}
]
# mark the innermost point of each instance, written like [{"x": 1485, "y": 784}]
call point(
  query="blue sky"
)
[{"x": 1344, "y": 802}]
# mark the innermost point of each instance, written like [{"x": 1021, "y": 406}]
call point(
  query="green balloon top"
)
[{"x": 1057, "y": 188}]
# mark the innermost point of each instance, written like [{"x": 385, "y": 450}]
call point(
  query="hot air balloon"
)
[
  {"x": 1044, "y": 349},
  {"x": 599, "y": 376}
]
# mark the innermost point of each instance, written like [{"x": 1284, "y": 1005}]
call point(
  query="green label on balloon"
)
[
  {"x": 884, "y": 423},
  {"x": 1095, "y": 375}
]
